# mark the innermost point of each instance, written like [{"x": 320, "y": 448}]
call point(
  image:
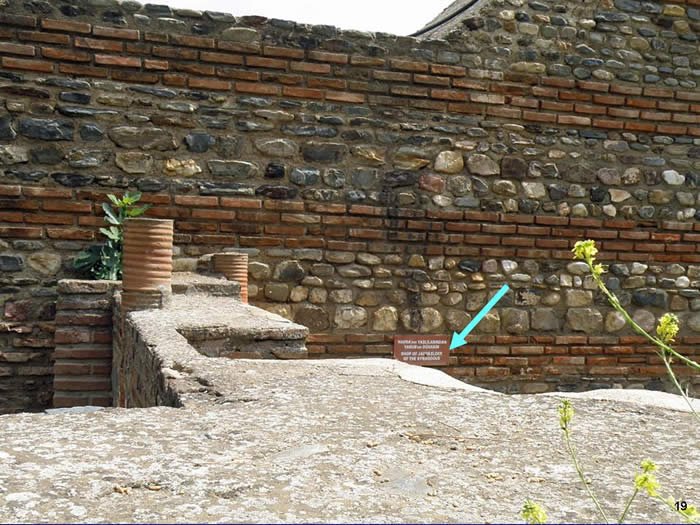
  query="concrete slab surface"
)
[{"x": 368, "y": 440}]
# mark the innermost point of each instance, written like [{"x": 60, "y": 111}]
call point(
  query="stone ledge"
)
[{"x": 167, "y": 356}]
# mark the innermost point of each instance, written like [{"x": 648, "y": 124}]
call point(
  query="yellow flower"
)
[
  {"x": 668, "y": 327},
  {"x": 646, "y": 480},
  {"x": 648, "y": 466},
  {"x": 585, "y": 250},
  {"x": 533, "y": 513},
  {"x": 566, "y": 412}
]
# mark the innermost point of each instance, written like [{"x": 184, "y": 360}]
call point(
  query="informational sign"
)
[{"x": 430, "y": 350}]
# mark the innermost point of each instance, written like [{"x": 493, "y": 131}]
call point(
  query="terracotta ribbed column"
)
[
  {"x": 147, "y": 263},
  {"x": 235, "y": 267}
]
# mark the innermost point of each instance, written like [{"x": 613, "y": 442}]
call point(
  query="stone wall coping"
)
[{"x": 182, "y": 366}]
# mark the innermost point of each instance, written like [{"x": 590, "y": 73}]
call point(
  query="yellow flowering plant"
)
[
  {"x": 666, "y": 331},
  {"x": 645, "y": 480}
]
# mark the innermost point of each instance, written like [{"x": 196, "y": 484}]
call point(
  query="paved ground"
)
[{"x": 339, "y": 441}]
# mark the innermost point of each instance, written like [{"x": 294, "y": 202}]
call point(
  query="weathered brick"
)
[
  {"x": 302, "y": 92},
  {"x": 645, "y": 103},
  {"x": 365, "y": 61},
  {"x": 468, "y": 83},
  {"x": 17, "y": 49},
  {"x": 551, "y": 105},
  {"x": 73, "y": 234},
  {"x": 574, "y": 120},
  {"x": 452, "y": 71},
  {"x": 221, "y": 58},
  {"x": 17, "y": 20},
  {"x": 640, "y": 126},
  {"x": 67, "y": 205},
  {"x": 175, "y": 53},
  {"x": 321, "y": 82},
  {"x": 192, "y": 41},
  {"x": 65, "y": 54},
  {"x": 539, "y": 117},
  {"x": 504, "y": 112},
  {"x": 209, "y": 83},
  {"x": 236, "y": 202},
  {"x": 257, "y": 88},
  {"x": 270, "y": 63},
  {"x": 309, "y": 67},
  {"x": 150, "y": 36},
  {"x": 485, "y": 98},
  {"x": 65, "y": 25},
  {"x": 668, "y": 129},
  {"x": 333, "y": 58},
  {"x": 194, "y": 69},
  {"x": 100, "y": 45},
  {"x": 112, "y": 60},
  {"x": 655, "y": 115},
  {"x": 159, "y": 65},
  {"x": 607, "y": 123},
  {"x": 86, "y": 71},
  {"x": 112, "y": 32},
  {"x": 18, "y": 232},
  {"x": 283, "y": 52},
  {"x": 688, "y": 95},
  {"x": 558, "y": 82},
  {"x": 343, "y": 96},
  {"x": 576, "y": 96},
  {"x": 623, "y": 113},
  {"x": 28, "y": 65},
  {"x": 10, "y": 191},
  {"x": 47, "y": 38}
]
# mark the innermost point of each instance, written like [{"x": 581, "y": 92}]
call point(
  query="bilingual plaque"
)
[{"x": 426, "y": 350}]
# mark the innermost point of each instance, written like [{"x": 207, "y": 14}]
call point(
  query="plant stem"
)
[
  {"x": 674, "y": 509},
  {"x": 616, "y": 304},
  {"x": 579, "y": 470},
  {"x": 629, "y": 503},
  {"x": 665, "y": 349},
  {"x": 672, "y": 375}
]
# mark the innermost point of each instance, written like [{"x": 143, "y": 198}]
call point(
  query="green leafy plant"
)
[
  {"x": 104, "y": 260},
  {"x": 666, "y": 331}
]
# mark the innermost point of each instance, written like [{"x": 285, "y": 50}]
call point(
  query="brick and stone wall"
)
[
  {"x": 381, "y": 184},
  {"x": 138, "y": 378},
  {"x": 83, "y": 339}
]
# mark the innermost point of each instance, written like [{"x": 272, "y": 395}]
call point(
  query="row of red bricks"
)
[
  {"x": 571, "y": 107},
  {"x": 512, "y": 356},
  {"x": 612, "y": 118},
  {"x": 581, "y": 343},
  {"x": 121, "y": 41},
  {"x": 439, "y": 244},
  {"x": 535, "y": 373},
  {"x": 452, "y": 76},
  {"x": 334, "y": 226},
  {"x": 89, "y": 201}
]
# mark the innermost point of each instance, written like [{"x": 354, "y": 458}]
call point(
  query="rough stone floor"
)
[{"x": 340, "y": 441}]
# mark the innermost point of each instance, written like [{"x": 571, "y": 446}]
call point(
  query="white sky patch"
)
[{"x": 400, "y": 17}]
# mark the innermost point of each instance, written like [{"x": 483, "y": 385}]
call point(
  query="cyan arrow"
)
[{"x": 460, "y": 339}]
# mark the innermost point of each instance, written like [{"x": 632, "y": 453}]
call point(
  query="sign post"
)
[{"x": 426, "y": 350}]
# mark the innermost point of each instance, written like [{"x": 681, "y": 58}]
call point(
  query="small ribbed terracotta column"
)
[
  {"x": 235, "y": 267},
  {"x": 147, "y": 263}
]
